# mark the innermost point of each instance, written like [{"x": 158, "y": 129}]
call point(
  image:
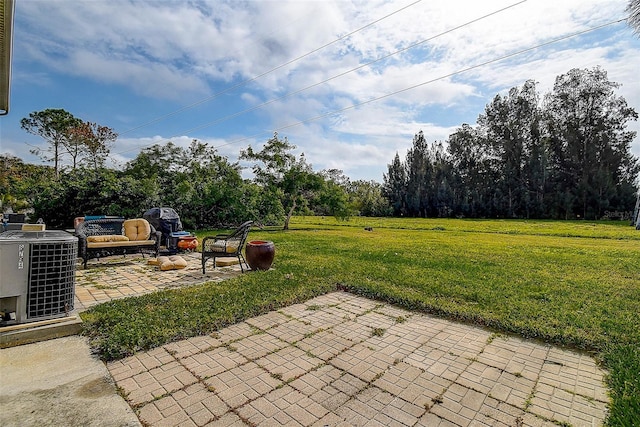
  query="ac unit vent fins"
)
[{"x": 51, "y": 279}]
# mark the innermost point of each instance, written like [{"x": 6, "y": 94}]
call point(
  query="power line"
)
[
  {"x": 464, "y": 70},
  {"x": 244, "y": 82},
  {"x": 289, "y": 94}
]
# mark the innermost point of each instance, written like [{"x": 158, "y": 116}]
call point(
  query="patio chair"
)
[{"x": 225, "y": 245}]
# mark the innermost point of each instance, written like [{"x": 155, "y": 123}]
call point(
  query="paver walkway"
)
[{"x": 341, "y": 360}]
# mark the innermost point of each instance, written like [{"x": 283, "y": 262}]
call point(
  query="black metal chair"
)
[{"x": 226, "y": 245}]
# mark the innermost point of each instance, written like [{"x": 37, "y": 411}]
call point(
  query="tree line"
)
[
  {"x": 205, "y": 188},
  {"x": 564, "y": 155}
]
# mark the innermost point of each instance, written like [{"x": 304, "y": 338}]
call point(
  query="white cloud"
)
[{"x": 180, "y": 52}]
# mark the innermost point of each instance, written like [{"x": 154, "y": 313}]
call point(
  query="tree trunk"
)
[
  {"x": 55, "y": 159},
  {"x": 289, "y": 215}
]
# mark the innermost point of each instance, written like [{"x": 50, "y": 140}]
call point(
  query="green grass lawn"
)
[{"x": 569, "y": 283}]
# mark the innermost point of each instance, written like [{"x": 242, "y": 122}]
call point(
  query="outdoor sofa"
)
[{"x": 116, "y": 236}]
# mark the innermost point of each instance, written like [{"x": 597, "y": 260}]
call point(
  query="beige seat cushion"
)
[
  {"x": 33, "y": 227},
  {"x": 107, "y": 238},
  {"x": 227, "y": 261},
  {"x": 173, "y": 262},
  {"x": 224, "y": 246},
  {"x": 137, "y": 229},
  {"x": 120, "y": 244}
]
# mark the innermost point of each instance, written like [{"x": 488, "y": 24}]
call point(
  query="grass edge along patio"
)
[{"x": 568, "y": 283}]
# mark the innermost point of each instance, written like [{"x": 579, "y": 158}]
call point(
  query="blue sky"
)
[{"x": 152, "y": 70}]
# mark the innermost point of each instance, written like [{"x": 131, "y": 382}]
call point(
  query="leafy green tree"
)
[
  {"x": 367, "y": 199},
  {"x": 567, "y": 157},
  {"x": 395, "y": 186},
  {"x": 75, "y": 144},
  {"x": 83, "y": 192},
  {"x": 157, "y": 167},
  {"x": 512, "y": 127},
  {"x": 279, "y": 172},
  {"x": 332, "y": 197},
  {"x": 53, "y": 126},
  {"x": 590, "y": 146},
  {"x": 16, "y": 180},
  {"x": 422, "y": 185},
  {"x": 155, "y": 160},
  {"x": 91, "y": 142},
  {"x": 265, "y": 206},
  {"x": 470, "y": 163},
  {"x": 443, "y": 199},
  {"x": 419, "y": 177},
  {"x": 202, "y": 186},
  {"x": 210, "y": 189}
]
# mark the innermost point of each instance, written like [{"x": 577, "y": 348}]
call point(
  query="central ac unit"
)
[{"x": 37, "y": 275}]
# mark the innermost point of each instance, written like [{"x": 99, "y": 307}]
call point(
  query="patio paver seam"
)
[
  {"x": 200, "y": 380},
  {"x": 523, "y": 409},
  {"x": 370, "y": 384},
  {"x": 289, "y": 381},
  {"x": 454, "y": 357}
]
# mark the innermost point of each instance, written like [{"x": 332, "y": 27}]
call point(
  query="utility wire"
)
[
  {"x": 289, "y": 94},
  {"x": 245, "y": 82},
  {"x": 464, "y": 70}
]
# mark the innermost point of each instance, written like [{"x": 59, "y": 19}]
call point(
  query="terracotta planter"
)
[
  {"x": 260, "y": 254},
  {"x": 187, "y": 243}
]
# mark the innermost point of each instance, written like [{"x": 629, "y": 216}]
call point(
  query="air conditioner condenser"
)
[{"x": 37, "y": 275}]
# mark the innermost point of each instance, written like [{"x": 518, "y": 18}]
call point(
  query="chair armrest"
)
[
  {"x": 215, "y": 238},
  {"x": 81, "y": 232},
  {"x": 155, "y": 234},
  {"x": 82, "y": 243}
]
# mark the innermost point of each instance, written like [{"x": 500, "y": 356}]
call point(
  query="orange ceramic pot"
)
[
  {"x": 187, "y": 243},
  {"x": 260, "y": 254}
]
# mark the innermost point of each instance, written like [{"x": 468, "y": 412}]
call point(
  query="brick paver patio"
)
[
  {"x": 393, "y": 368},
  {"x": 123, "y": 276},
  {"x": 342, "y": 360}
]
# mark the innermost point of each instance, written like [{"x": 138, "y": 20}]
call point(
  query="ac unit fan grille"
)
[{"x": 51, "y": 279}]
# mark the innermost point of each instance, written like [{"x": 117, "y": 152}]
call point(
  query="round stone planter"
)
[{"x": 260, "y": 254}]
